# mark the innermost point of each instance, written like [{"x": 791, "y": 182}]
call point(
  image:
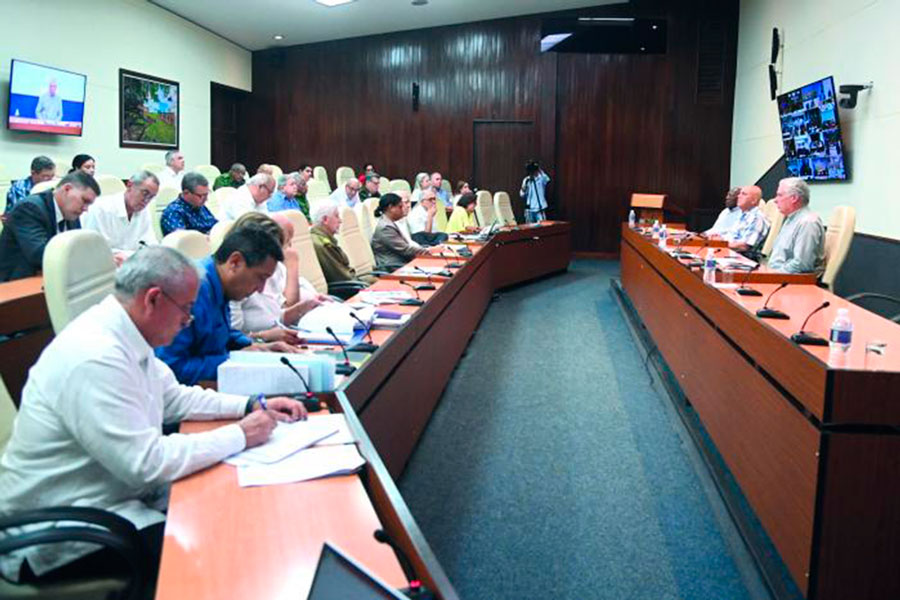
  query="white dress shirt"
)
[
  {"x": 109, "y": 217},
  {"x": 169, "y": 178},
  {"x": 263, "y": 310},
  {"x": 89, "y": 431},
  {"x": 241, "y": 202},
  {"x": 339, "y": 198},
  {"x": 726, "y": 220},
  {"x": 800, "y": 245},
  {"x": 417, "y": 219}
]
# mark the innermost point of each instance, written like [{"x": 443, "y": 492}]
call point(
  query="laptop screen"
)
[{"x": 339, "y": 577}]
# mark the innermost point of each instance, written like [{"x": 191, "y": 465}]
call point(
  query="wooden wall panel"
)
[{"x": 604, "y": 125}]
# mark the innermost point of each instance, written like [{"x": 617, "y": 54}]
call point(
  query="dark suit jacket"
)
[{"x": 26, "y": 232}]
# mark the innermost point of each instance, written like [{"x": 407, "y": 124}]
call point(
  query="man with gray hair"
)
[
  {"x": 333, "y": 260},
  {"x": 89, "y": 428},
  {"x": 234, "y": 178},
  {"x": 729, "y": 216},
  {"x": 800, "y": 245},
  {"x": 121, "y": 219},
  {"x": 188, "y": 211},
  {"x": 174, "y": 171},
  {"x": 250, "y": 197},
  {"x": 291, "y": 195}
]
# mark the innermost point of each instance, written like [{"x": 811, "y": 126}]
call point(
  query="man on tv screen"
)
[{"x": 49, "y": 106}]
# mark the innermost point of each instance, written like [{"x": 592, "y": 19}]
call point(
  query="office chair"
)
[{"x": 838, "y": 237}]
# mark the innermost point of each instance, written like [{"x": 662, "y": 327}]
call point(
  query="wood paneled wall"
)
[{"x": 603, "y": 125}]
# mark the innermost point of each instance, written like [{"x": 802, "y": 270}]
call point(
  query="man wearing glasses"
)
[
  {"x": 188, "y": 211},
  {"x": 250, "y": 198},
  {"x": 121, "y": 218}
]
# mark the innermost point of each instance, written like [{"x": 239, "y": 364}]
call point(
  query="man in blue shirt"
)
[
  {"x": 42, "y": 169},
  {"x": 187, "y": 211},
  {"x": 241, "y": 266},
  {"x": 284, "y": 197},
  {"x": 442, "y": 195}
]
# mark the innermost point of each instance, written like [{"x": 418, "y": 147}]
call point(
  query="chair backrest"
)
[
  {"x": 217, "y": 234},
  {"x": 154, "y": 168},
  {"x": 45, "y": 185},
  {"x": 276, "y": 172},
  {"x": 400, "y": 185},
  {"x": 316, "y": 188},
  {"x": 838, "y": 236},
  {"x": 484, "y": 208},
  {"x": 343, "y": 174},
  {"x": 163, "y": 198},
  {"x": 7, "y": 416},
  {"x": 445, "y": 185},
  {"x": 648, "y": 200},
  {"x": 79, "y": 271},
  {"x": 776, "y": 219},
  {"x": 109, "y": 184},
  {"x": 440, "y": 218},
  {"x": 365, "y": 220},
  {"x": 320, "y": 174},
  {"x": 503, "y": 208},
  {"x": 219, "y": 198},
  {"x": 192, "y": 244},
  {"x": 302, "y": 242},
  {"x": 354, "y": 243},
  {"x": 208, "y": 171},
  {"x": 384, "y": 185}
]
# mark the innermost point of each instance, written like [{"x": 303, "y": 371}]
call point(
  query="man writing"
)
[{"x": 251, "y": 197}]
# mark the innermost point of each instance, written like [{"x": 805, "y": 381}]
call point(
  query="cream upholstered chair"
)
[
  {"x": 400, "y": 185},
  {"x": 79, "y": 271},
  {"x": 838, "y": 236},
  {"x": 316, "y": 188},
  {"x": 44, "y": 185},
  {"x": 208, "y": 171},
  {"x": 276, "y": 171},
  {"x": 154, "y": 168},
  {"x": 110, "y": 184},
  {"x": 484, "y": 208},
  {"x": 440, "y": 219},
  {"x": 776, "y": 219},
  {"x": 384, "y": 185},
  {"x": 445, "y": 185},
  {"x": 7, "y": 416},
  {"x": 192, "y": 244},
  {"x": 219, "y": 198},
  {"x": 343, "y": 174},
  {"x": 302, "y": 242},
  {"x": 503, "y": 209},
  {"x": 163, "y": 198},
  {"x": 320, "y": 174},
  {"x": 217, "y": 234},
  {"x": 354, "y": 243},
  {"x": 365, "y": 220}
]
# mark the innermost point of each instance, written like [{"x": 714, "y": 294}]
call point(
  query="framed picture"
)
[{"x": 148, "y": 111}]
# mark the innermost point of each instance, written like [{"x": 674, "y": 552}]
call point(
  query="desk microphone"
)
[
  {"x": 346, "y": 368},
  {"x": 743, "y": 290},
  {"x": 447, "y": 266},
  {"x": 371, "y": 346},
  {"x": 416, "y": 589},
  {"x": 417, "y": 301},
  {"x": 309, "y": 399},
  {"x": 770, "y": 313},
  {"x": 424, "y": 286},
  {"x": 809, "y": 338},
  {"x": 450, "y": 265}
]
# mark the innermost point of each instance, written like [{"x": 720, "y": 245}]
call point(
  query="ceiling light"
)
[
  {"x": 278, "y": 37},
  {"x": 419, "y": 2},
  {"x": 334, "y": 2}
]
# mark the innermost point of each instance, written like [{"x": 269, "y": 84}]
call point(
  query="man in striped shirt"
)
[{"x": 752, "y": 226}]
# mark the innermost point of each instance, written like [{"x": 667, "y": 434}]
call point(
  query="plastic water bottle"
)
[
  {"x": 632, "y": 219},
  {"x": 709, "y": 268},
  {"x": 841, "y": 332},
  {"x": 663, "y": 236},
  {"x": 656, "y": 228}
]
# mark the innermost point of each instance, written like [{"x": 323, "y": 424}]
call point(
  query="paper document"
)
[
  {"x": 342, "y": 436},
  {"x": 383, "y": 297},
  {"x": 287, "y": 439},
  {"x": 312, "y": 463},
  {"x": 423, "y": 271}
]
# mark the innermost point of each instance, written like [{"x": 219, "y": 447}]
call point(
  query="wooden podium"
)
[{"x": 656, "y": 207}]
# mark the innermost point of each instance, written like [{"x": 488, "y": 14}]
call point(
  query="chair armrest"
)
[
  {"x": 346, "y": 289},
  {"x": 862, "y": 295}
]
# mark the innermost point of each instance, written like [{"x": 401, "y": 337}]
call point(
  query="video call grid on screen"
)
[
  {"x": 811, "y": 132},
  {"x": 30, "y": 88}
]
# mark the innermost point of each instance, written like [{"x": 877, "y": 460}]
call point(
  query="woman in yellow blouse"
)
[{"x": 463, "y": 216}]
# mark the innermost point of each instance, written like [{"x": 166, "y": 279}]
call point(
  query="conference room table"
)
[
  {"x": 811, "y": 436},
  {"x": 25, "y": 330},
  {"x": 223, "y": 541}
]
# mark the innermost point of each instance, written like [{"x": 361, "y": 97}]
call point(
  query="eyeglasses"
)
[{"x": 184, "y": 311}]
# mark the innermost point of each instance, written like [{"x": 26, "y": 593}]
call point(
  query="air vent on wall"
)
[{"x": 711, "y": 62}]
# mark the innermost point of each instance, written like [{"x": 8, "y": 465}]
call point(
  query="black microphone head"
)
[
  {"x": 329, "y": 329},
  {"x": 285, "y": 361},
  {"x": 381, "y": 536},
  {"x": 826, "y": 304}
]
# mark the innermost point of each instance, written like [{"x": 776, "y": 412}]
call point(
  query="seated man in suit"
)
[
  {"x": 38, "y": 218},
  {"x": 42, "y": 169},
  {"x": 121, "y": 218},
  {"x": 250, "y": 198},
  {"x": 800, "y": 245},
  {"x": 89, "y": 428},
  {"x": 243, "y": 263},
  {"x": 333, "y": 260},
  {"x": 188, "y": 211}
]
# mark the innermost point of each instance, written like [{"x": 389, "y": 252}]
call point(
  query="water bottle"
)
[
  {"x": 663, "y": 236},
  {"x": 656, "y": 228},
  {"x": 841, "y": 331},
  {"x": 709, "y": 268},
  {"x": 632, "y": 219}
]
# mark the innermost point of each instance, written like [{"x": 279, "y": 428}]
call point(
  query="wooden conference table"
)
[
  {"x": 24, "y": 330},
  {"x": 812, "y": 439},
  {"x": 222, "y": 541}
]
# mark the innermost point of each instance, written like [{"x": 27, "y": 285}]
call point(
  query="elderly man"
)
[
  {"x": 440, "y": 193},
  {"x": 174, "y": 170},
  {"x": 42, "y": 169},
  {"x": 729, "y": 216},
  {"x": 188, "y": 211},
  {"x": 251, "y": 197},
  {"x": 121, "y": 218},
  {"x": 89, "y": 428},
  {"x": 422, "y": 225},
  {"x": 247, "y": 258},
  {"x": 750, "y": 230},
  {"x": 800, "y": 245},
  {"x": 334, "y": 262},
  {"x": 370, "y": 189},
  {"x": 285, "y": 198},
  {"x": 234, "y": 178},
  {"x": 38, "y": 218},
  {"x": 50, "y": 107},
  {"x": 346, "y": 195}
]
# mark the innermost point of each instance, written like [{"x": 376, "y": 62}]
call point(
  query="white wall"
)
[
  {"x": 97, "y": 38},
  {"x": 856, "y": 41}
]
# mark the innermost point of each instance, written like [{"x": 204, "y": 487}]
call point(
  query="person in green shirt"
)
[
  {"x": 234, "y": 178},
  {"x": 333, "y": 260},
  {"x": 371, "y": 188}
]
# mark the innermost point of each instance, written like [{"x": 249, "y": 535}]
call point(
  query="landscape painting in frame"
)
[{"x": 148, "y": 111}]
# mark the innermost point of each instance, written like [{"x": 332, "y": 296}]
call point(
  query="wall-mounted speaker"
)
[
  {"x": 415, "y": 97},
  {"x": 776, "y": 44},
  {"x": 773, "y": 82}
]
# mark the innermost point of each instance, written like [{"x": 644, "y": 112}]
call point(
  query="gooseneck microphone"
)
[
  {"x": 771, "y": 313},
  {"x": 743, "y": 290},
  {"x": 449, "y": 265},
  {"x": 371, "y": 346},
  {"x": 424, "y": 286},
  {"x": 417, "y": 301},
  {"x": 309, "y": 399},
  {"x": 416, "y": 589},
  {"x": 809, "y": 338},
  {"x": 346, "y": 368}
]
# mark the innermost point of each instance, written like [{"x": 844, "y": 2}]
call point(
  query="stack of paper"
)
[{"x": 383, "y": 296}]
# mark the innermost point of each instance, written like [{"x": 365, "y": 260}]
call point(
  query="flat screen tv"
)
[
  {"x": 45, "y": 99},
  {"x": 811, "y": 132}
]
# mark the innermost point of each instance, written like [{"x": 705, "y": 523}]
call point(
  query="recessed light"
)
[
  {"x": 334, "y": 2},
  {"x": 277, "y": 37},
  {"x": 419, "y": 2}
]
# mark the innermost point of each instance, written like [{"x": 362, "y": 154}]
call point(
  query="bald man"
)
[{"x": 752, "y": 226}]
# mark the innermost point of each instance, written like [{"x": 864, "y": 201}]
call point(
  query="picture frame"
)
[{"x": 149, "y": 111}]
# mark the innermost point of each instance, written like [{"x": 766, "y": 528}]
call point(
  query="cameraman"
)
[{"x": 533, "y": 192}]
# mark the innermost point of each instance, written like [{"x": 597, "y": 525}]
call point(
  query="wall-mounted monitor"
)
[
  {"x": 45, "y": 99},
  {"x": 811, "y": 132}
]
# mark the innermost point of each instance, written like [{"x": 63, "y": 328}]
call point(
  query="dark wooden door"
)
[
  {"x": 227, "y": 133},
  {"x": 501, "y": 149}
]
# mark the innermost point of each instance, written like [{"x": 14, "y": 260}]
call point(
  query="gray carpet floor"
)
[{"x": 552, "y": 467}]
